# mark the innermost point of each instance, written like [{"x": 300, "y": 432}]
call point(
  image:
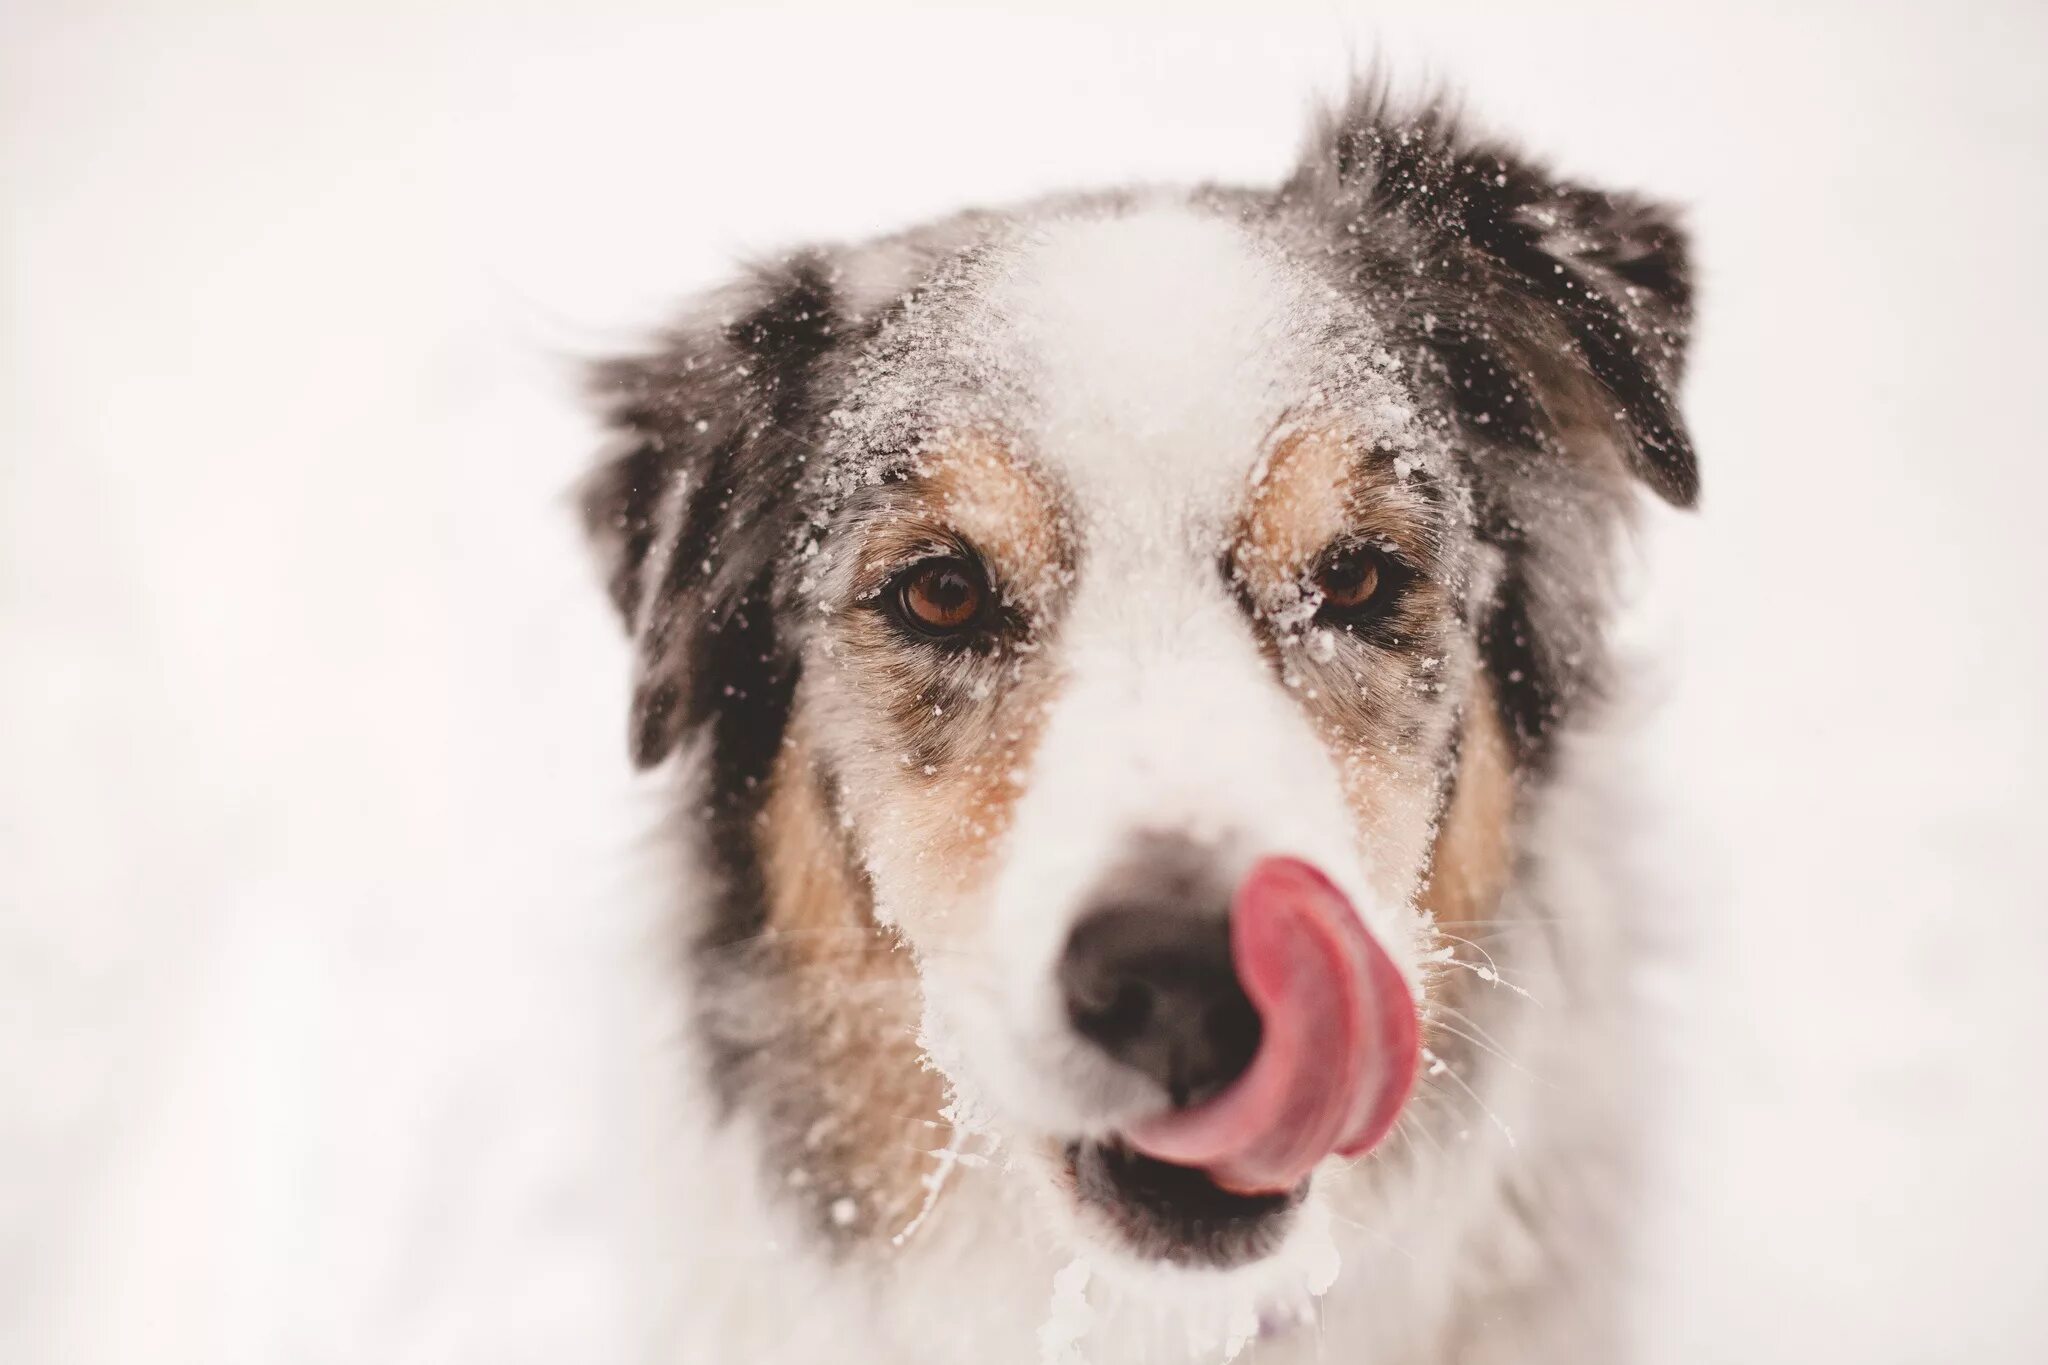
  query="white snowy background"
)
[{"x": 318, "y": 850}]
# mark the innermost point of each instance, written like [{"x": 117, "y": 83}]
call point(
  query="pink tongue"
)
[{"x": 1339, "y": 1046}]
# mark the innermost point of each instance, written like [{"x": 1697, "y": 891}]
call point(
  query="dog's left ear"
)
[
  {"x": 693, "y": 510},
  {"x": 1616, "y": 268},
  {"x": 1613, "y": 269}
]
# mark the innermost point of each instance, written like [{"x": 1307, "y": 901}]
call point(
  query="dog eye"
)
[
  {"x": 1354, "y": 580},
  {"x": 947, "y": 596}
]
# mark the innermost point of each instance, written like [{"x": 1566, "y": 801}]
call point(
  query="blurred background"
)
[{"x": 320, "y": 862}]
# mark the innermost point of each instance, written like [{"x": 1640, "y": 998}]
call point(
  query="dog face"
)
[
  {"x": 1036, "y": 584},
  {"x": 1074, "y": 640}
]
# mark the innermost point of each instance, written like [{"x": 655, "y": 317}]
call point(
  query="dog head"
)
[{"x": 1126, "y": 605}]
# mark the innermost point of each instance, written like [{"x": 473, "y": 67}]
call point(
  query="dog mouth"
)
[
  {"x": 1173, "y": 1213},
  {"x": 1212, "y": 1182},
  {"x": 1338, "y": 1047}
]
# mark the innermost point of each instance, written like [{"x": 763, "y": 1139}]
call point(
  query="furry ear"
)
[
  {"x": 691, "y": 512},
  {"x": 1611, "y": 269}
]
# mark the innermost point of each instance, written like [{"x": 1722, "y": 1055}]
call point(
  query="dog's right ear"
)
[{"x": 691, "y": 510}]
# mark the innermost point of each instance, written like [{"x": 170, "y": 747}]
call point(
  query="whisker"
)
[
  {"x": 850, "y": 939},
  {"x": 1445, "y": 1007},
  {"x": 1438, "y": 1066},
  {"x": 1377, "y": 1233},
  {"x": 934, "y": 1181},
  {"x": 1519, "y": 921},
  {"x": 1457, "y": 1032},
  {"x": 1487, "y": 973},
  {"x": 1411, "y": 1122},
  {"x": 1474, "y": 946}
]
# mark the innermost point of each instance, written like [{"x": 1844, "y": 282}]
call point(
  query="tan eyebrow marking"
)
[
  {"x": 996, "y": 500},
  {"x": 1298, "y": 504},
  {"x": 978, "y": 490},
  {"x": 965, "y": 727},
  {"x": 1320, "y": 486}
]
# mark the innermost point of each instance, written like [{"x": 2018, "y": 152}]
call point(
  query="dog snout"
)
[{"x": 1153, "y": 986}]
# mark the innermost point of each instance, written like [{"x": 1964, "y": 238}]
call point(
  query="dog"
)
[{"x": 1133, "y": 665}]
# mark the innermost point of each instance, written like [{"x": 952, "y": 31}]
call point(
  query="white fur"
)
[
  {"x": 1146, "y": 361},
  {"x": 1441, "y": 1260},
  {"x": 1161, "y": 350}
]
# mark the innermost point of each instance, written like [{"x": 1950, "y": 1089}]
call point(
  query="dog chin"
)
[
  {"x": 1066, "y": 1116},
  {"x": 1121, "y": 1207}
]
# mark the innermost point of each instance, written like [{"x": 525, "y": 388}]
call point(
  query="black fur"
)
[
  {"x": 1611, "y": 267},
  {"x": 1492, "y": 279},
  {"x": 1500, "y": 274},
  {"x": 711, "y": 425}
]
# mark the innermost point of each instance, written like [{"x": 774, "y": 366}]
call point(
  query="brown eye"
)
[
  {"x": 942, "y": 596},
  {"x": 1354, "y": 579}
]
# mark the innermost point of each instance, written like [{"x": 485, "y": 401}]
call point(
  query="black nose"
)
[{"x": 1153, "y": 987}]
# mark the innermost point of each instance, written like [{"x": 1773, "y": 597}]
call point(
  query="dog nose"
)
[{"x": 1153, "y": 986}]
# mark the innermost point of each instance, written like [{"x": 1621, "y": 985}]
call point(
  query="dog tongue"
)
[{"x": 1337, "y": 1052}]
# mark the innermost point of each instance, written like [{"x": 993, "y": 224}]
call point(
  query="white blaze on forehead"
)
[
  {"x": 1162, "y": 347},
  {"x": 1148, "y": 356},
  {"x": 1158, "y": 352},
  {"x": 1148, "y": 361}
]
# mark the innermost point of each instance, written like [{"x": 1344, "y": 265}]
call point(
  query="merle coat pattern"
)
[{"x": 1537, "y": 331}]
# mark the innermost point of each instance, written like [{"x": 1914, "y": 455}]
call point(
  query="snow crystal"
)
[
  {"x": 1116, "y": 346},
  {"x": 1068, "y": 1318},
  {"x": 947, "y": 1158}
]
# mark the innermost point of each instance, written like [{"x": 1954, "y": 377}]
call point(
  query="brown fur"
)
[
  {"x": 962, "y": 747},
  {"x": 879, "y": 1103},
  {"x": 854, "y": 987},
  {"x": 1316, "y": 488},
  {"x": 1005, "y": 507},
  {"x": 964, "y": 726},
  {"x": 1469, "y": 868},
  {"x": 1298, "y": 506},
  {"x": 1473, "y": 853},
  {"x": 857, "y": 985}
]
